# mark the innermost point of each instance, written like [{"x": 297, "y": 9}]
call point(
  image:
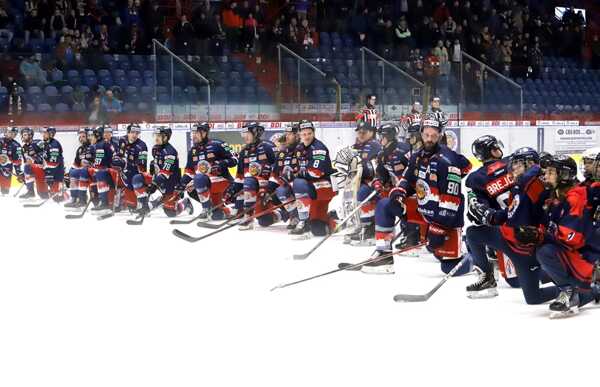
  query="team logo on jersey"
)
[
  {"x": 514, "y": 205},
  {"x": 423, "y": 192}
]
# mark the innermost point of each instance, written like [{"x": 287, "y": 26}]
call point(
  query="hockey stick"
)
[
  {"x": 337, "y": 228},
  {"x": 116, "y": 204},
  {"x": 195, "y": 218},
  {"x": 140, "y": 219},
  {"x": 191, "y": 239},
  {"x": 426, "y": 296},
  {"x": 80, "y": 215},
  {"x": 226, "y": 222},
  {"x": 19, "y": 190},
  {"x": 359, "y": 264},
  {"x": 39, "y": 204}
]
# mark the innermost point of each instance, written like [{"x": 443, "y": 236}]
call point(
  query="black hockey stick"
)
[
  {"x": 337, "y": 228},
  {"x": 80, "y": 215},
  {"x": 138, "y": 221},
  {"x": 352, "y": 266},
  {"x": 195, "y": 218},
  {"x": 39, "y": 204},
  {"x": 191, "y": 239},
  {"x": 19, "y": 190},
  {"x": 215, "y": 226},
  {"x": 427, "y": 296}
]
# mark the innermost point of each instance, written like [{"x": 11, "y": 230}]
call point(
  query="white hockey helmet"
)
[{"x": 587, "y": 158}]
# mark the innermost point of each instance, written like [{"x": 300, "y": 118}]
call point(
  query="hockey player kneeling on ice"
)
[
  {"x": 101, "y": 174},
  {"x": 571, "y": 246},
  {"x": 515, "y": 231},
  {"x": 33, "y": 169},
  {"x": 207, "y": 176},
  {"x": 10, "y": 160},
  {"x": 255, "y": 163},
  {"x": 489, "y": 188},
  {"x": 367, "y": 148},
  {"x": 434, "y": 175},
  {"x": 54, "y": 164},
  {"x": 158, "y": 187},
  {"x": 131, "y": 159},
  {"x": 282, "y": 178},
  {"x": 78, "y": 177},
  {"x": 312, "y": 184}
]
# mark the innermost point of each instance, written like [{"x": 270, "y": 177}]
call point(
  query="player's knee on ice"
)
[
  {"x": 319, "y": 227},
  {"x": 448, "y": 264},
  {"x": 386, "y": 212},
  {"x": 138, "y": 181},
  {"x": 202, "y": 185}
]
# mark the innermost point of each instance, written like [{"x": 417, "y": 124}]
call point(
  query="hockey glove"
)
[
  {"x": 377, "y": 186},
  {"x": 216, "y": 169},
  {"x": 436, "y": 236},
  {"x": 152, "y": 188},
  {"x": 263, "y": 197},
  {"x": 287, "y": 174},
  {"x": 527, "y": 235}
]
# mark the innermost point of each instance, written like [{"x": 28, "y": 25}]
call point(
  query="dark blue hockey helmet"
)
[
  {"x": 525, "y": 153},
  {"x": 566, "y": 169},
  {"x": 255, "y": 128},
  {"x": 165, "y": 131},
  {"x": 134, "y": 128},
  {"x": 201, "y": 126},
  {"x": 50, "y": 130},
  {"x": 483, "y": 146},
  {"x": 388, "y": 131}
]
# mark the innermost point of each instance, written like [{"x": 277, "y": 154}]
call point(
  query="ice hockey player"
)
[
  {"x": 514, "y": 231},
  {"x": 54, "y": 164},
  {"x": 570, "y": 248},
  {"x": 99, "y": 173},
  {"x": 369, "y": 113},
  {"x": 110, "y": 139},
  {"x": 131, "y": 159},
  {"x": 312, "y": 184},
  {"x": 367, "y": 148},
  {"x": 33, "y": 169},
  {"x": 286, "y": 165},
  {"x": 159, "y": 187},
  {"x": 207, "y": 176},
  {"x": 434, "y": 174},
  {"x": 78, "y": 174},
  {"x": 588, "y": 158},
  {"x": 10, "y": 160},
  {"x": 411, "y": 123},
  {"x": 255, "y": 163},
  {"x": 490, "y": 187}
]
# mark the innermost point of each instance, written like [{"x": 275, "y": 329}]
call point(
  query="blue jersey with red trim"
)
[
  {"x": 568, "y": 221},
  {"x": 286, "y": 158},
  {"x": 133, "y": 156},
  {"x": 391, "y": 162},
  {"x": 52, "y": 154},
  {"x": 165, "y": 166},
  {"x": 491, "y": 184},
  {"x": 84, "y": 156},
  {"x": 14, "y": 154},
  {"x": 367, "y": 151},
  {"x": 262, "y": 158},
  {"x": 526, "y": 207},
  {"x": 103, "y": 154},
  {"x": 313, "y": 161},
  {"x": 435, "y": 178},
  {"x": 215, "y": 152},
  {"x": 33, "y": 151}
]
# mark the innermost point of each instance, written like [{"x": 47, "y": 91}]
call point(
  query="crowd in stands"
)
[{"x": 426, "y": 37}]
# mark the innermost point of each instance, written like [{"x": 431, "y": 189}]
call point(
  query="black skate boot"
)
[
  {"x": 566, "y": 304},
  {"x": 595, "y": 285},
  {"x": 366, "y": 236},
  {"x": 485, "y": 287},
  {"x": 293, "y": 222},
  {"x": 73, "y": 204},
  {"x": 302, "y": 229},
  {"x": 27, "y": 195},
  {"x": 382, "y": 266}
]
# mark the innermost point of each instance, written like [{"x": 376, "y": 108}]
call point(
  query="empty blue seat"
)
[
  {"x": 78, "y": 107},
  {"x": 44, "y": 108},
  {"x": 61, "y": 108}
]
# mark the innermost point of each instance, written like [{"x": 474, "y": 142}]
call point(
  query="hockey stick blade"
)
[
  {"x": 80, "y": 215},
  {"x": 337, "y": 228},
  {"x": 106, "y": 216},
  {"x": 137, "y": 221},
  {"x": 427, "y": 296},
  {"x": 347, "y": 268},
  {"x": 188, "y": 221},
  {"x": 211, "y": 226},
  {"x": 35, "y": 205}
]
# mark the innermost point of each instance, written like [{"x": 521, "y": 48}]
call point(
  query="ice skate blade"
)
[
  {"x": 367, "y": 243},
  {"x": 557, "y": 315},
  {"x": 487, "y": 293},
  {"x": 384, "y": 269}
]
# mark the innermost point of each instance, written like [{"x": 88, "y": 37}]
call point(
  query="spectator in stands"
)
[
  {"x": 97, "y": 115},
  {"x": 5, "y": 19},
  {"x": 250, "y": 34},
  {"x": 33, "y": 25},
  {"x": 233, "y": 24},
  {"x": 31, "y": 72},
  {"x": 403, "y": 40},
  {"x": 57, "y": 23},
  {"x": 302, "y": 7},
  {"x": 306, "y": 34},
  {"x": 441, "y": 13},
  {"x": 292, "y": 33},
  {"x": 387, "y": 39},
  {"x": 441, "y": 53},
  {"x": 101, "y": 42},
  {"x": 359, "y": 24},
  {"x": 110, "y": 103},
  {"x": 448, "y": 28},
  {"x": 184, "y": 33}
]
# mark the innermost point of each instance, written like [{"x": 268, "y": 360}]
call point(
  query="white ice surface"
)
[{"x": 87, "y": 303}]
